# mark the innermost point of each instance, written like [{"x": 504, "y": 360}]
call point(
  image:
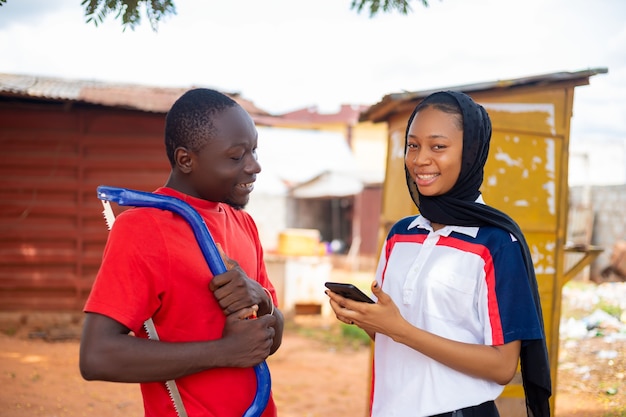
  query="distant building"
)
[{"x": 597, "y": 162}]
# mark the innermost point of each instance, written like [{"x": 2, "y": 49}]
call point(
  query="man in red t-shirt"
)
[{"x": 153, "y": 267}]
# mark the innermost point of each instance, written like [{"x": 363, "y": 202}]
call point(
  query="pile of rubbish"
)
[
  {"x": 593, "y": 310},
  {"x": 593, "y": 341}
]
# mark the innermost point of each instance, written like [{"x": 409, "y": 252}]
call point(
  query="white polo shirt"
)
[{"x": 463, "y": 283}]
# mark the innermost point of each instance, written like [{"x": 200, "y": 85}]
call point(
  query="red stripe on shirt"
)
[
  {"x": 497, "y": 335},
  {"x": 418, "y": 238}
]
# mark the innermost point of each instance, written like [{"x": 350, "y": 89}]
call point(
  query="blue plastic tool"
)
[{"x": 128, "y": 197}]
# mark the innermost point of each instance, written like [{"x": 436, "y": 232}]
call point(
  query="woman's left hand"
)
[{"x": 382, "y": 317}]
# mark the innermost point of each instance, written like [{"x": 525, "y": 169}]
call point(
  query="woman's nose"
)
[{"x": 421, "y": 158}]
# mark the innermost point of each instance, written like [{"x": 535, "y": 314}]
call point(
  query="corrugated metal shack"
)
[{"x": 59, "y": 140}]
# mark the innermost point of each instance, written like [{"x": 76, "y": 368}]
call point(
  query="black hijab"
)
[{"x": 459, "y": 207}]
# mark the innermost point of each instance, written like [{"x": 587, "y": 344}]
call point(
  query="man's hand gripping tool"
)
[{"x": 127, "y": 197}]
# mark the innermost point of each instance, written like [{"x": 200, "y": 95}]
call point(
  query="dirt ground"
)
[{"x": 315, "y": 373}]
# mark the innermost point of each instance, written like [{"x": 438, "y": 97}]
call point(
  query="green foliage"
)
[
  {"x": 334, "y": 335},
  {"x": 355, "y": 334},
  {"x": 578, "y": 312},
  {"x": 128, "y": 10},
  {"x": 375, "y": 6},
  {"x": 612, "y": 309}
]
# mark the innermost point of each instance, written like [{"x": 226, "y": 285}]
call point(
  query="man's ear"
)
[{"x": 183, "y": 159}]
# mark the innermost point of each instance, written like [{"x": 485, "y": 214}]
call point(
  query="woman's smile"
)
[
  {"x": 434, "y": 151},
  {"x": 426, "y": 179}
]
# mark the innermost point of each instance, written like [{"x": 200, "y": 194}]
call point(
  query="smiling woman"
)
[
  {"x": 434, "y": 149},
  {"x": 455, "y": 288}
]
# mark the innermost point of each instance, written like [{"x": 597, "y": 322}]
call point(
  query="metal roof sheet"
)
[
  {"x": 123, "y": 95},
  {"x": 391, "y": 102}
]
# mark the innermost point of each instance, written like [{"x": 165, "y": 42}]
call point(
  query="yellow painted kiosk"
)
[{"x": 526, "y": 176}]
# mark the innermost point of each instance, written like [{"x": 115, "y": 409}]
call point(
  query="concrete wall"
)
[{"x": 608, "y": 204}]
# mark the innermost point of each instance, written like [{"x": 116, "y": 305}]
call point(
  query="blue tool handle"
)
[
  {"x": 263, "y": 389},
  {"x": 127, "y": 197}
]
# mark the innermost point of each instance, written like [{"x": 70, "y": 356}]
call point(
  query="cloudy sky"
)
[{"x": 289, "y": 54}]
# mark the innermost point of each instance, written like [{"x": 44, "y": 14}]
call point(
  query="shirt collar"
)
[{"x": 423, "y": 223}]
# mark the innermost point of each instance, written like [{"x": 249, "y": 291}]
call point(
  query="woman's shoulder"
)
[
  {"x": 404, "y": 224},
  {"x": 407, "y": 220},
  {"x": 495, "y": 235}
]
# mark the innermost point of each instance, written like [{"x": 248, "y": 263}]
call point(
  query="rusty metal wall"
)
[
  {"x": 52, "y": 158},
  {"x": 370, "y": 208}
]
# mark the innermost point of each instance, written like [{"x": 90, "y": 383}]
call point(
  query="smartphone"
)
[{"x": 348, "y": 291}]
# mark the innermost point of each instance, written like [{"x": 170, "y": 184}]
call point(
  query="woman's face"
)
[{"x": 434, "y": 151}]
